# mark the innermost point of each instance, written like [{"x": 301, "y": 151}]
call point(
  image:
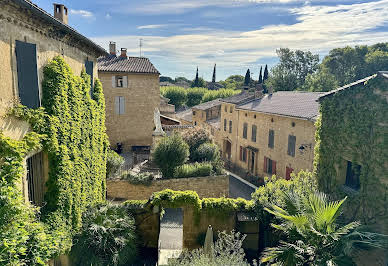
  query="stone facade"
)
[
  {"x": 230, "y": 141},
  {"x": 206, "y": 187},
  {"x": 142, "y": 96}
]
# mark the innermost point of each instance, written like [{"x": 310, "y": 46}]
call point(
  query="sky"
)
[{"x": 179, "y": 35}]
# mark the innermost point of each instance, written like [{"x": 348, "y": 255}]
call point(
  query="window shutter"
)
[
  {"x": 240, "y": 153},
  {"x": 27, "y": 72},
  {"x": 125, "y": 81},
  {"x": 122, "y": 105},
  {"x": 265, "y": 165},
  {"x": 274, "y": 167},
  {"x": 245, "y": 154},
  {"x": 113, "y": 81},
  {"x": 117, "y": 105},
  {"x": 291, "y": 145}
]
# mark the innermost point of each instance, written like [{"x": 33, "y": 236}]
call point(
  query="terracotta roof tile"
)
[{"x": 113, "y": 63}]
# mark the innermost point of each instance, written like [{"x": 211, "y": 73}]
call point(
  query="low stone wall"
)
[{"x": 206, "y": 187}]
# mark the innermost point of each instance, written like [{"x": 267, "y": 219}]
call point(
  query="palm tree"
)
[{"x": 312, "y": 236}]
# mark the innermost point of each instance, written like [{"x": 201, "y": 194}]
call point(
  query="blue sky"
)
[{"x": 179, "y": 35}]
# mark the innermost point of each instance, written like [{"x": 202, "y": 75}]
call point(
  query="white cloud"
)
[
  {"x": 318, "y": 29},
  {"x": 82, "y": 13},
  {"x": 108, "y": 16},
  {"x": 152, "y": 26}
]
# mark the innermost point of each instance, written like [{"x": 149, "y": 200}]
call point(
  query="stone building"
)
[
  {"x": 352, "y": 153},
  {"x": 270, "y": 134},
  {"x": 131, "y": 88},
  {"x": 29, "y": 39}
]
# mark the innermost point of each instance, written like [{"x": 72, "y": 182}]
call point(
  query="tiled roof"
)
[
  {"x": 207, "y": 105},
  {"x": 112, "y": 63},
  {"x": 239, "y": 98},
  {"x": 215, "y": 122},
  {"x": 186, "y": 115},
  {"x": 288, "y": 103},
  {"x": 361, "y": 81},
  {"x": 48, "y": 18}
]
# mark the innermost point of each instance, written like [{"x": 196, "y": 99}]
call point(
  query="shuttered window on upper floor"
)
[
  {"x": 119, "y": 82},
  {"x": 291, "y": 145},
  {"x": 254, "y": 132},
  {"x": 245, "y": 130},
  {"x": 271, "y": 138},
  {"x": 89, "y": 70},
  {"x": 27, "y": 72}
]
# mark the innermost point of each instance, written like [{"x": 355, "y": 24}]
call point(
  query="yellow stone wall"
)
[
  {"x": 303, "y": 130},
  {"x": 136, "y": 125}
]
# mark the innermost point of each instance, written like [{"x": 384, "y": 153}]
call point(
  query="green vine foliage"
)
[
  {"x": 353, "y": 127},
  {"x": 71, "y": 130}
]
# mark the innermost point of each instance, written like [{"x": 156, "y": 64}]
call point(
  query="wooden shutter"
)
[
  {"x": 117, "y": 105},
  {"x": 291, "y": 145},
  {"x": 125, "y": 81},
  {"x": 289, "y": 170},
  {"x": 245, "y": 154},
  {"x": 122, "y": 105},
  {"x": 265, "y": 165},
  {"x": 27, "y": 71},
  {"x": 274, "y": 167},
  {"x": 89, "y": 71},
  {"x": 271, "y": 135},
  {"x": 241, "y": 153},
  {"x": 254, "y": 132},
  {"x": 113, "y": 81}
]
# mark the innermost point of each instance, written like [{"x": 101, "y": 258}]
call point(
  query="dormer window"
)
[{"x": 119, "y": 81}]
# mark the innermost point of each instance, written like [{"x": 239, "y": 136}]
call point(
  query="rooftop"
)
[
  {"x": 207, "y": 105},
  {"x": 302, "y": 105},
  {"x": 48, "y": 18},
  {"x": 186, "y": 115},
  {"x": 242, "y": 97},
  {"x": 215, "y": 122},
  {"x": 112, "y": 63}
]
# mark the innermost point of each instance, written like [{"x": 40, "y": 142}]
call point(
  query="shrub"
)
[
  {"x": 194, "y": 96},
  {"x": 194, "y": 170},
  {"x": 223, "y": 93},
  {"x": 107, "y": 237},
  {"x": 113, "y": 163},
  {"x": 140, "y": 179},
  {"x": 170, "y": 153},
  {"x": 206, "y": 152},
  {"x": 194, "y": 137},
  {"x": 177, "y": 95}
]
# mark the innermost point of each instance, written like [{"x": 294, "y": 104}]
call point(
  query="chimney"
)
[
  {"x": 123, "y": 52},
  {"x": 60, "y": 13},
  {"x": 112, "y": 48}
]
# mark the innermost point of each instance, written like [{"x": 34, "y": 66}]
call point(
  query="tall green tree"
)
[
  {"x": 214, "y": 74},
  {"x": 196, "y": 80},
  {"x": 261, "y": 75},
  {"x": 291, "y": 71},
  {"x": 247, "y": 79},
  {"x": 265, "y": 77}
]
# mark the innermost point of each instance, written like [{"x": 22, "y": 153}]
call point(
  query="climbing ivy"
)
[
  {"x": 353, "y": 124},
  {"x": 71, "y": 130}
]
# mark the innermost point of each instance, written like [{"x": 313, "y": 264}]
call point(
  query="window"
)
[
  {"x": 231, "y": 109},
  {"x": 195, "y": 123},
  {"x": 120, "y": 105},
  {"x": 269, "y": 166},
  {"x": 271, "y": 137},
  {"x": 119, "y": 82},
  {"x": 353, "y": 171},
  {"x": 291, "y": 145},
  {"x": 245, "y": 130},
  {"x": 226, "y": 109},
  {"x": 289, "y": 170},
  {"x": 254, "y": 131},
  {"x": 243, "y": 154},
  {"x": 35, "y": 179},
  {"x": 230, "y": 126},
  {"x": 27, "y": 72},
  {"x": 225, "y": 124},
  {"x": 89, "y": 71},
  {"x": 193, "y": 112}
]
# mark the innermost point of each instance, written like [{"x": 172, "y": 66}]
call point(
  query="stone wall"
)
[{"x": 206, "y": 187}]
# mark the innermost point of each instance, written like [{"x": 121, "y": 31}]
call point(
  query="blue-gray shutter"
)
[
  {"x": 27, "y": 70},
  {"x": 89, "y": 71}
]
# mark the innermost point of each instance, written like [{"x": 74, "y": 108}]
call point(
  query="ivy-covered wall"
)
[
  {"x": 353, "y": 127},
  {"x": 70, "y": 128}
]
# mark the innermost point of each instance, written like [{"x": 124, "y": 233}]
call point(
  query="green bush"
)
[
  {"x": 107, "y": 237},
  {"x": 170, "y": 153},
  {"x": 113, "y": 163},
  {"x": 177, "y": 95},
  {"x": 206, "y": 152},
  {"x": 193, "y": 170},
  {"x": 195, "y": 95},
  {"x": 215, "y": 94},
  {"x": 194, "y": 137},
  {"x": 140, "y": 179}
]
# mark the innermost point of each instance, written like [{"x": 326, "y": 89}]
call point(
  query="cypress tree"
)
[
  {"x": 261, "y": 76},
  {"x": 196, "y": 81},
  {"x": 214, "y": 74},
  {"x": 247, "y": 79},
  {"x": 265, "y": 77}
]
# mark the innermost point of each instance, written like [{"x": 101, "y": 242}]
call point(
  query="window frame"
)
[
  {"x": 245, "y": 130},
  {"x": 271, "y": 139},
  {"x": 254, "y": 133},
  {"x": 230, "y": 126},
  {"x": 291, "y": 148}
]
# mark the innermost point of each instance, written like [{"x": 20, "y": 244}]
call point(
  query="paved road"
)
[{"x": 239, "y": 187}]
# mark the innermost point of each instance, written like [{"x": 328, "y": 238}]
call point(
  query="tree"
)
[
  {"x": 261, "y": 76},
  {"x": 206, "y": 152},
  {"x": 196, "y": 80},
  {"x": 166, "y": 79},
  {"x": 113, "y": 163},
  {"x": 107, "y": 237},
  {"x": 265, "y": 77},
  {"x": 311, "y": 233},
  {"x": 233, "y": 82},
  {"x": 195, "y": 95},
  {"x": 170, "y": 153},
  {"x": 201, "y": 83},
  {"x": 214, "y": 74},
  {"x": 177, "y": 95},
  {"x": 320, "y": 81},
  {"x": 194, "y": 137},
  {"x": 293, "y": 67},
  {"x": 247, "y": 79}
]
